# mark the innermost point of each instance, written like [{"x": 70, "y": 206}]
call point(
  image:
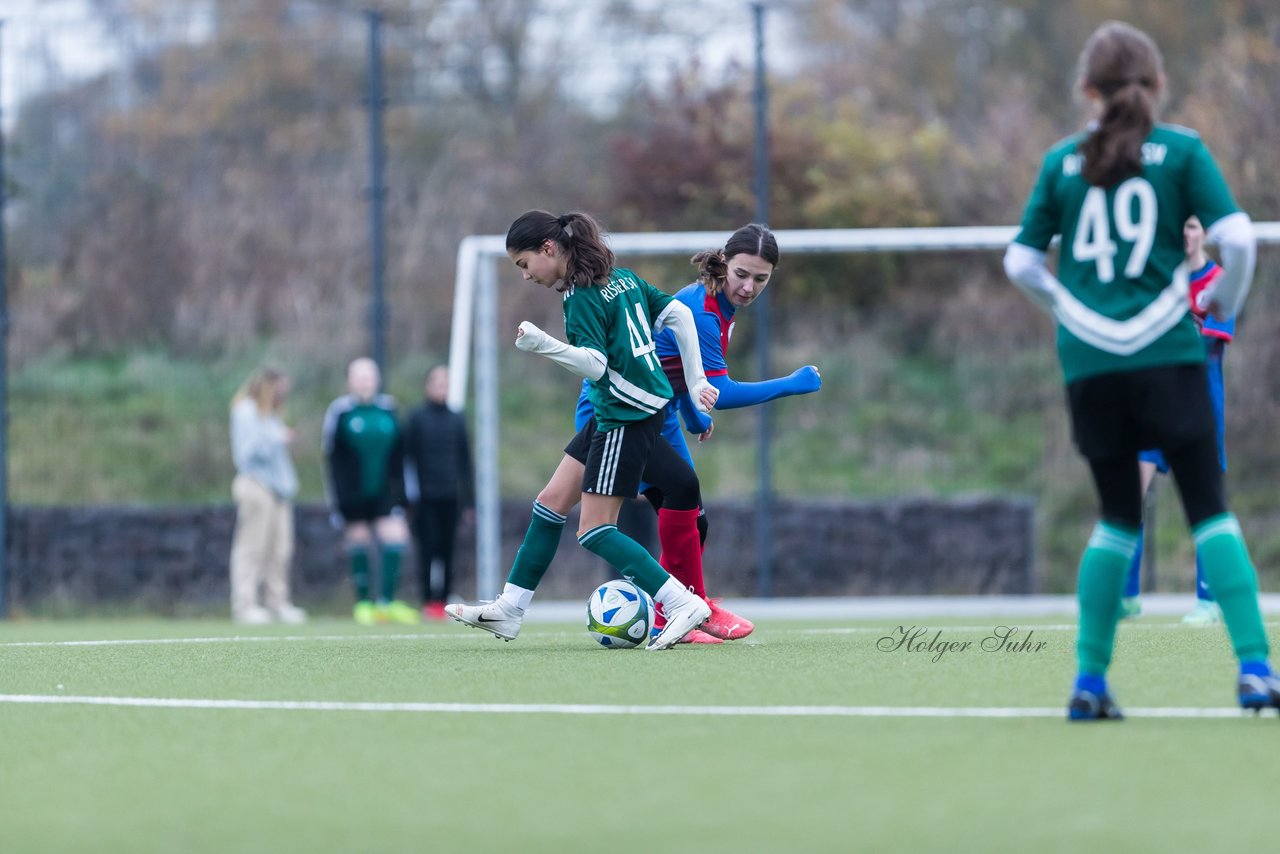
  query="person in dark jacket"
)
[{"x": 438, "y": 482}]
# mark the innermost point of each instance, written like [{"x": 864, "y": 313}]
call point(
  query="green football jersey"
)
[
  {"x": 371, "y": 430},
  {"x": 617, "y": 319},
  {"x": 1121, "y": 260}
]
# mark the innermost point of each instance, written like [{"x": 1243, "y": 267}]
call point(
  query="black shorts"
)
[
  {"x": 368, "y": 509},
  {"x": 1118, "y": 414},
  {"x": 615, "y": 460}
]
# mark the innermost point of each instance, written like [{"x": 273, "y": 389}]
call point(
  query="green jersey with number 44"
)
[
  {"x": 1124, "y": 303},
  {"x": 617, "y": 318}
]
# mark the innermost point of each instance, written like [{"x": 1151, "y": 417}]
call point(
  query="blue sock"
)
[
  {"x": 1092, "y": 682},
  {"x": 1256, "y": 667},
  {"x": 1133, "y": 582}
]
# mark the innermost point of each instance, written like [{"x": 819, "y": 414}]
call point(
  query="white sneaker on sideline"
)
[
  {"x": 683, "y": 616},
  {"x": 1204, "y": 613},
  {"x": 290, "y": 614},
  {"x": 252, "y": 616},
  {"x": 494, "y": 617}
]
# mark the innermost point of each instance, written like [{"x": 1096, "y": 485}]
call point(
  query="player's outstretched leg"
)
[{"x": 503, "y": 616}]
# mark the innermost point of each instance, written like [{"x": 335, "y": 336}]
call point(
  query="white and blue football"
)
[{"x": 619, "y": 615}]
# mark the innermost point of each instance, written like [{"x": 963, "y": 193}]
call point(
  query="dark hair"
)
[
  {"x": 588, "y": 258},
  {"x": 751, "y": 239},
  {"x": 1125, "y": 66}
]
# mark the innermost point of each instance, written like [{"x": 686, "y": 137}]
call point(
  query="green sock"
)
[
  {"x": 1103, "y": 568},
  {"x": 391, "y": 570},
  {"x": 539, "y": 547},
  {"x": 1231, "y": 576},
  {"x": 627, "y": 556},
  {"x": 360, "y": 571}
]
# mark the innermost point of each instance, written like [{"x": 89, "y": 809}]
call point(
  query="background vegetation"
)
[{"x": 197, "y": 204}]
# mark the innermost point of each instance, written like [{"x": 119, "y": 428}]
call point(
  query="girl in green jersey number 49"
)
[{"x": 1131, "y": 354}]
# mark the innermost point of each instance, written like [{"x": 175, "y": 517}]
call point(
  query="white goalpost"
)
[{"x": 475, "y": 325}]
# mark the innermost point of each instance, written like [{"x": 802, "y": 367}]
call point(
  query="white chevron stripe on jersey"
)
[
  {"x": 628, "y": 391},
  {"x": 1125, "y": 337}
]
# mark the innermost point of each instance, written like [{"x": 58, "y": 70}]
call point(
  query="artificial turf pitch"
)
[{"x": 817, "y": 736}]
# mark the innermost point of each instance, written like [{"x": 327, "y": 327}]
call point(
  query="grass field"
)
[{"x": 806, "y": 736}]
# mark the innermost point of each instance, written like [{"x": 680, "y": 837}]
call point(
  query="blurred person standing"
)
[
  {"x": 438, "y": 484},
  {"x": 364, "y": 482},
  {"x": 264, "y": 487}
]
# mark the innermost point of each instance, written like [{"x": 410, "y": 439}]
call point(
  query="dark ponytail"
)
[
  {"x": 752, "y": 239},
  {"x": 588, "y": 259},
  {"x": 1124, "y": 65}
]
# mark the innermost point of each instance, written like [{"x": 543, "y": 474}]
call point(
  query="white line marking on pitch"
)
[
  {"x": 595, "y": 709},
  {"x": 257, "y": 639},
  {"x": 834, "y": 630}
]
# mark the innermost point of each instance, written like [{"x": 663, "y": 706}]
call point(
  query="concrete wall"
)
[{"x": 174, "y": 560}]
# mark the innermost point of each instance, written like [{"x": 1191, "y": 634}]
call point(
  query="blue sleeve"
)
[
  {"x": 585, "y": 411},
  {"x": 734, "y": 395},
  {"x": 694, "y": 421}
]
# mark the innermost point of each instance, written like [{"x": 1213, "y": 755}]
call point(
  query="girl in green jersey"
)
[
  {"x": 1118, "y": 194},
  {"x": 610, "y": 317}
]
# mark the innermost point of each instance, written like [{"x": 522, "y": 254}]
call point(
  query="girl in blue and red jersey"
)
[
  {"x": 1217, "y": 335},
  {"x": 729, "y": 279}
]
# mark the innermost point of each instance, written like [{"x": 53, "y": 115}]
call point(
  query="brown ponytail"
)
[{"x": 1125, "y": 67}]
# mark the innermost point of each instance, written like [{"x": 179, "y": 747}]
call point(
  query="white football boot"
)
[
  {"x": 495, "y": 617},
  {"x": 684, "y": 614}
]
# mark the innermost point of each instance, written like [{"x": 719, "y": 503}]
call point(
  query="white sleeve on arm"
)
[
  {"x": 679, "y": 319},
  {"x": 1027, "y": 269},
  {"x": 579, "y": 360},
  {"x": 1233, "y": 234}
]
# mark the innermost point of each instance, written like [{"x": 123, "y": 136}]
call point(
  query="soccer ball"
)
[{"x": 619, "y": 615}]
